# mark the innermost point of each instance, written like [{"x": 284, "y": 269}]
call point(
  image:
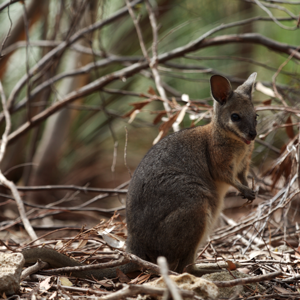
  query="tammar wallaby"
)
[{"x": 176, "y": 193}]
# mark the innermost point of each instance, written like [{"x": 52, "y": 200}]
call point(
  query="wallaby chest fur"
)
[{"x": 177, "y": 191}]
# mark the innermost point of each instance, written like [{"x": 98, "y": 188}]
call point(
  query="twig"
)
[
  {"x": 3, "y": 179},
  {"x": 237, "y": 58},
  {"x": 271, "y": 15},
  {"x": 154, "y": 61},
  {"x": 78, "y": 208},
  {"x": 132, "y": 290},
  {"x": 125, "y": 152},
  {"x": 89, "y": 291},
  {"x": 298, "y": 157},
  {"x": 70, "y": 187},
  {"x": 138, "y": 30},
  {"x": 241, "y": 226},
  {"x": 284, "y": 2},
  {"x": 7, "y": 4},
  {"x": 162, "y": 262},
  {"x": 277, "y": 73},
  {"x": 243, "y": 281},
  {"x": 39, "y": 265},
  {"x": 27, "y": 61},
  {"x": 8, "y": 33},
  {"x": 145, "y": 264},
  {"x": 288, "y": 109},
  {"x": 81, "y": 267}
]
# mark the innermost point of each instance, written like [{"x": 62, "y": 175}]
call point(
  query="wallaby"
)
[{"x": 176, "y": 193}]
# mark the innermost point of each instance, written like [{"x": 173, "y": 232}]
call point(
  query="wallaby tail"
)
[{"x": 59, "y": 260}]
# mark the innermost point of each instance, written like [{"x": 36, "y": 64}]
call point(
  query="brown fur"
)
[{"x": 177, "y": 191}]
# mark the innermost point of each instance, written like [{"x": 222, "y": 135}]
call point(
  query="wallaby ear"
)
[
  {"x": 247, "y": 86},
  {"x": 220, "y": 88}
]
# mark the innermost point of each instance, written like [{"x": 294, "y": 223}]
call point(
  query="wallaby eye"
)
[
  {"x": 235, "y": 117},
  {"x": 256, "y": 116}
]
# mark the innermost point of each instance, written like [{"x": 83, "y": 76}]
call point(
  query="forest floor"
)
[{"x": 259, "y": 239}]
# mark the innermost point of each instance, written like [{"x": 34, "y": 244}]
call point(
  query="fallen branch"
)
[
  {"x": 162, "y": 262},
  {"x": 132, "y": 290},
  {"x": 243, "y": 281}
]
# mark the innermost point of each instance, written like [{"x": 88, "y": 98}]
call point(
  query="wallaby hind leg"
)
[{"x": 186, "y": 264}]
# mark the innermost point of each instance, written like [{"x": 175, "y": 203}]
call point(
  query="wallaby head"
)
[{"x": 233, "y": 110}]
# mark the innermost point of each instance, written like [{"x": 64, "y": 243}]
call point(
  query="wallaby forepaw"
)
[{"x": 248, "y": 194}]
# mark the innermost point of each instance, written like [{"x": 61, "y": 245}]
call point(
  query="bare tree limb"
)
[
  {"x": 3, "y": 179},
  {"x": 198, "y": 44}
]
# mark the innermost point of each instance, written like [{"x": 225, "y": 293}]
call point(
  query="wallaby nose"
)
[{"x": 252, "y": 134}]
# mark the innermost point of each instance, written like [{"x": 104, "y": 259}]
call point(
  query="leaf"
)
[
  {"x": 107, "y": 230},
  {"x": 281, "y": 290},
  {"x": 59, "y": 245},
  {"x": 113, "y": 240},
  {"x": 140, "y": 279},
  {"x": 107, "y": 283},
  {"x": 284, "y": 168},
  {"x": 45, "y": 284},
  {"x": 297, "y": 253},
  {"x": 65, "y": 281},
  {"x": 151, "y": 91},
  {"x": 141, "y": 104},
  {"x": 289, "y": 129},
  {"x": 278, "y": 215},
  {"x": 82, "y": 243},
  {"x": 159, "y": 117},
  {"x": 231, "y": 265},
  {"x": 164, "y": 128},
  {"x": 122, "y": 277},
  {"x": 262, "y": 253},
  {"x": 53, "y": 296},
  {"x": 137, "y": 106},
  {"x": 267, "y": 102},
  {"x": 133, "y": 115}
]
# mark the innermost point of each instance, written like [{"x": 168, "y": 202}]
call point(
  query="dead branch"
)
[
  {"x": 71, "y": 188},
  {"x": 39, "y": 265},
  {"x": 145, "y": 264},
  {"x": 243, "y": 281},
  {"x": 162, "y": 262},
  {"x": 132, "y": 290},
  {"x": 115, "y": 263},
  {"x": 154, "y": 61},
  {"x": 3, "y": 179}
]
